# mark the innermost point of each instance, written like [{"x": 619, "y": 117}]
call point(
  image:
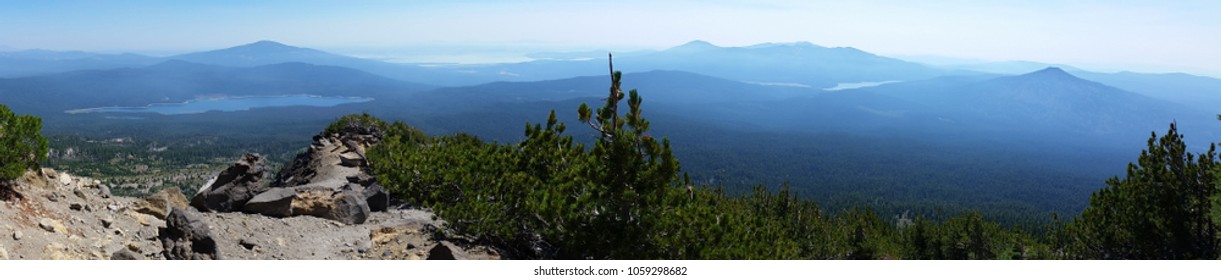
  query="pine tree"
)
[
  {"x": 1160, "y": 210},
  {"x": 21, "y": 145}
]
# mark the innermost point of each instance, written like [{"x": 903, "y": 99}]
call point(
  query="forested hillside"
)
[{"x": 625, "y": 197}]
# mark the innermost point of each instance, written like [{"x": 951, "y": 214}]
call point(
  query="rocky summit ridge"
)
[{"x": 323, "y": 205}]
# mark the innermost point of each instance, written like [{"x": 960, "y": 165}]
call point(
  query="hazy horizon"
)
[{"x": 1102, "y": 35}]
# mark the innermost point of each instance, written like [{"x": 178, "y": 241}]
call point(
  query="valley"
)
[{"x": 846, "y": 129}]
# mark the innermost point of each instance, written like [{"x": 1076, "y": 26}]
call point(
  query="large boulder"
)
[
  {"x": 186, "y": 237},
  {"x": 234, "y": 186},
  {"x": 159, "y": 204},
  {"x": 349, "y": 208},
  {"x": 375, "y": 195},
  {"x": 276, "y": 202},
  {"x": 344, "y": 206}
]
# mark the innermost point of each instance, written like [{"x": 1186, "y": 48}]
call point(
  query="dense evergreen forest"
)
[{"x": 625, "y": 197}]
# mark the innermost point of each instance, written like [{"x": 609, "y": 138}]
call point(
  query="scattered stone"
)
[
  {"x": 249, "y": 245},
  {"x": 351, "y": 160},
  {"x": 134, "y": 247},
  {"x": 442, "y": 251},
  {"x": 57, "y": 251},
  {"x": 104, "y": 191},
  {"x": 125, "y": 254},
  {"x": 76, "y": 207},
  {"x": 38, "y": 178},
  {"x": 143, "y": 219},
  {"x": 52, "y": 197},
  {"x": 106, "y": 221},
  {"x": 52, "y": 225},
  {"x": 362, "y": 179},
  {"x": 186, "y": 237},
  {"x": 3, "y": 253},
  {"x": 65, "y": 179},
  {"x": 234, "y": 186},
  {"x": 17, "y": 235},
  {"x": 77, "y": 191},
  {"x": 160, "y": 203}
]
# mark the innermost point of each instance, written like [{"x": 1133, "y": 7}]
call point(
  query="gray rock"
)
[
  {"x": 351, "y": 160},
  {"x": 17, "y": 235},
  {"x": 106, "y": 221},
  {"x": 76, "y": 207},
  {"x": 362, "y": 179},
  {"x": 442, "y": 251},
  {"x": 349, "y": 208},
  {"x": 186, "y": 237},
  {"x": 234, "y": 186},
  {"x": 249, "y": 245},
  {"x": 377, "y": 197},
  {"x": 276, "y": 202},
  {"x": 104, "y": 191},
  {"x": 77, "y": 191},
  {"x": 51, "y": 225},
  {"x": 125, "y": 254}
]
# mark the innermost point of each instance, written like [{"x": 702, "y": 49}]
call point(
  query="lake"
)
[{"x": 228, "y": 104}]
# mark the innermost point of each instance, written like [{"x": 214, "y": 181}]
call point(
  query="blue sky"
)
[{"x": 1155, "y": 36}]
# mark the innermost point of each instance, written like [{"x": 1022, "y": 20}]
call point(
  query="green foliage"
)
[
  {"x": 22, "y": 146},
  {"x": 624, "y": 198},
  {"x": 354, "y": 121},
  {"x": 546, "y": 196},
  {"x": 1160, "y": 210}
]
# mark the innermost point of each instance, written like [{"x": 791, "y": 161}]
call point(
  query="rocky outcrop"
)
[
  {"x": 329, "y": 180},
  {"x": 47, "y": 219},
  {"x": 186, "y": 237},
  {"x": 344, "y": 206},
  {"x": 234, "y": 186}
]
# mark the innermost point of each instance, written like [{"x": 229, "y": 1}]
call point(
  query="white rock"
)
[
  {"x": 65, "y": 179},
  {"x": 3, "y": 254},
  {"x": 17, "y": 235}
]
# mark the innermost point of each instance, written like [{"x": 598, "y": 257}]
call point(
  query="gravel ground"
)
[{"x": 59, "y": 216}]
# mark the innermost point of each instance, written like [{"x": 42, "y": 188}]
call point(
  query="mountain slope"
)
[
  {"x": 782, "y": 63},
  {"x": 270, "y": 52},
  {"x": 177, "y": 81},
  {"x": 1048, "y": 100},
  {"x": 1200, "y": 92},
  {"x": 38, "y": 62}
]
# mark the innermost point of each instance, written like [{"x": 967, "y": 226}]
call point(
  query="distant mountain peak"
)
[
  {"x": 266, "y": 45},
  {"x": 1051, "y": 72},
  {"x": 696, "y": 45},
  {"x": 798, "y": 44}
]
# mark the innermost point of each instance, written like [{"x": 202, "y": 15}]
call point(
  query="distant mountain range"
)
[
  {"x": 736, "y": 113},
  {"x": 178, "y": 81}
]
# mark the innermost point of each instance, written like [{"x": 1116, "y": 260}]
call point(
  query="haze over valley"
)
[
  {"x": 910, "y": 137},
  {"x": 855, "y": 130}
]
